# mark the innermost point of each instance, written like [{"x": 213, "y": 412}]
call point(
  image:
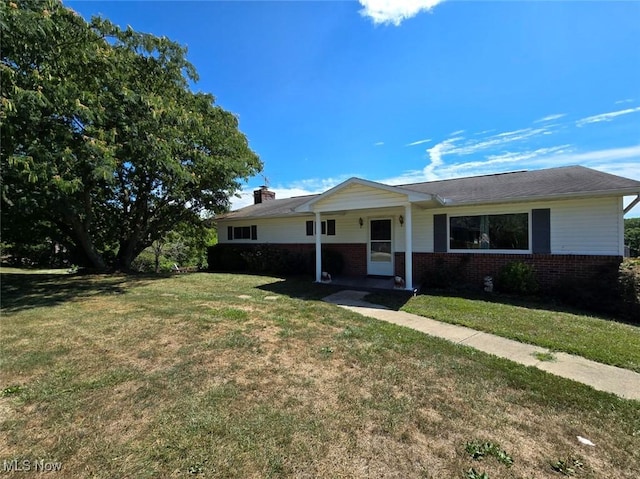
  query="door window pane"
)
[
  {"x": 381, "y": 251},
  {"x": 381, "y": 230}
]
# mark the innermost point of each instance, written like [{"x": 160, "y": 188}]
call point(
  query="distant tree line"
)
[{"x": 632, "y": 235}]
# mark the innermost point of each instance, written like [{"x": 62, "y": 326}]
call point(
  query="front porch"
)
[
  {"x": 384, "y": 217},
  {"x": 367, "y": 283}
]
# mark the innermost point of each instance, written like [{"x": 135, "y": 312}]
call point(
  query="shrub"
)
[
  {"x": 446, "y": 276},
  {"x": 144, "y": 263},
  {"x": 275, "y": 260},
  {"x": 629, "y": 280},
  {"x": 517, "y": 278},
  {"x": 225, "y": 257},
  {"x": 609, "y": 291},
  {"x": 260, "y": 258}
]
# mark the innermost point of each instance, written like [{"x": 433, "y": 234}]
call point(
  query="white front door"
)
[{"x": 380, "y": 248}]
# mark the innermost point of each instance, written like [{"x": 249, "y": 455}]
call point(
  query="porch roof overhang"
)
[{"x": 368, "y": 194}]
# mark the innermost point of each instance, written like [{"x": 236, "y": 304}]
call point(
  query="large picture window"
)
[{"x": 499, "y": 232}]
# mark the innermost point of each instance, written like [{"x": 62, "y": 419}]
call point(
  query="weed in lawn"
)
[
  {"x": 197, "y": 468},
  {"x": 473, "y": 474},
  {"x": 544, "y": 356},
  {"x": 326, "y": 351},
  {"x": 11, "y": 391},
  {"x": 478, "y": 450},
  {"x": 567, "y": 467}
]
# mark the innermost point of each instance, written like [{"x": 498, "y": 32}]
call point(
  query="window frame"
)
[
  {"x": 242, "y": 233},
  {"x": 489, "y": 250},
  {"x": 327, "y": 227}
]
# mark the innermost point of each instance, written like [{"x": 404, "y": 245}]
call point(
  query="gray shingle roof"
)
[
  {"x": 570, "y": 181},
  {"x": 524, "y": 185}
]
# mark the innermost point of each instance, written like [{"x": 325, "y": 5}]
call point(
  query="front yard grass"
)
[
  {"x": 592, "y": 337},
  {"x": 214, "y": 375}
]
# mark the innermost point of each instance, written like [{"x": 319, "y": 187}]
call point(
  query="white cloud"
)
[
  {"x": 606, "y": 116},
  {"x": 470, "y": 147},
  {"x": 395, "y": 11},
  {"x": 419, "y": 142},
  {"x": 617, "y": 161},
  {"x": 626, "y": 100},
  {"x": 435, "y": 155},
  {"x": 555, "y": 116},
  {"x": 378, "y": 143}
]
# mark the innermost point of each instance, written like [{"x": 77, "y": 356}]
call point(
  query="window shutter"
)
[
  {"x": 254, "y": 232},
  {"x": 440, "y": 233},
  {"x": 331, "y": 227},
  {"x": 541, "y": 230},
  {"x": 324, "y": 228},
  {"x": 229, "y": 233},
  {"x": 309, "y": 228}
]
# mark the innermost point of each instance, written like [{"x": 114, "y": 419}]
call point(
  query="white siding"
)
[
  {"x": 585, "y": 226},
  {"x": 422, "y": 230},
  {"x": 293, "y": 229},
  {"x": 588, "y": 226},
  {"x": 358, "y": 196}
]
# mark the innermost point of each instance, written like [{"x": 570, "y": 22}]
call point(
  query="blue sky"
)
[{"x": 408, "y": 91}]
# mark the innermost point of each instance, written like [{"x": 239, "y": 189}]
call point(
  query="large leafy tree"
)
[{"x": 103, "y": 140}]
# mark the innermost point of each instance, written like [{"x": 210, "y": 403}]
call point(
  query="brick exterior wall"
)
[
  {"x": 470, "y": 268},
  {"x": 353, "y": 254},
  {"x": 551, "y": 269}
]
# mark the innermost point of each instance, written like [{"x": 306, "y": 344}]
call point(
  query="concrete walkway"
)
[{"x": 622, "y": 382}]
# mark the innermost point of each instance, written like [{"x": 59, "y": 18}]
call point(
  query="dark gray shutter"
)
[
  {"x": 309, "y": 228},
  {"x": 254, "y": 232},
  {"x": 331, "y": 227},
  {"x": 541, "y": 230},
  {"x": 440, "y": 233},
  {"x": 229, "y": 233},
  {"x": 324, "y": 227}
]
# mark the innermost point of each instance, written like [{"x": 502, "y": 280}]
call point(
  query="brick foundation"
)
[
  {"x": 469, "y": 268},
  {"x": 551, "y": 269},
  {"x": 353, "y": 254}
]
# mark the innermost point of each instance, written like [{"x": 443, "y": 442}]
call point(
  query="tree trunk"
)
[
  {"x": 96, "y": 258},
  {"x": 128, "y": 251},
  {"x": 83, "y": 241}
]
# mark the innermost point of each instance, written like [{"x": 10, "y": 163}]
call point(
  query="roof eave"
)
[
  {"x": 412, "y": 196},
  {"x": 559, "y": 196}
]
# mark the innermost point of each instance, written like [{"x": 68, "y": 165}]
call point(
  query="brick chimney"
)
[{"x": 263, "y": 194}]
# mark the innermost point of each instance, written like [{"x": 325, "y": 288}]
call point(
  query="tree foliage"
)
[
  {"x": 632, "y": 235},
  {"x": 103, "y": 139}
]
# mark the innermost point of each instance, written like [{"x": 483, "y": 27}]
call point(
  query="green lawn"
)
[
  {"x": 592, "y": 337},
  {"x": 214, "y": 375}
]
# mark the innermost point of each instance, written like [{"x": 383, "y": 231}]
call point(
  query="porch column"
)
[
  {"x": 318, "y": 231},
  {"x": 408, "y": 247}
]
